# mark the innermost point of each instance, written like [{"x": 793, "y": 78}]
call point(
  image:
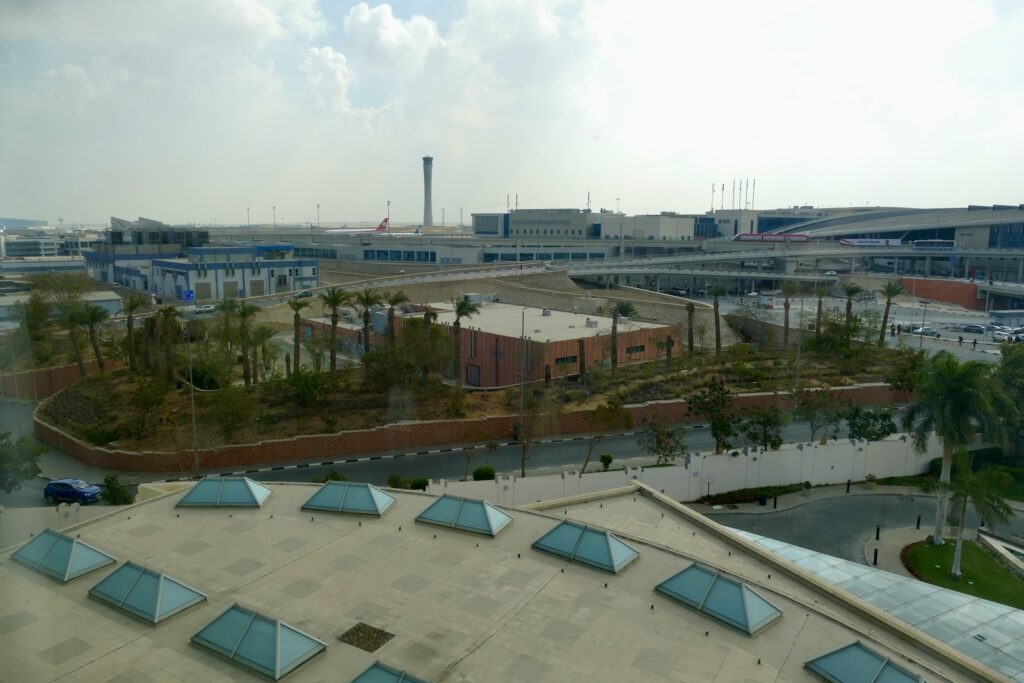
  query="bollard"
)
[
  {"x": 919, "y": 521},
  {"x": 875, "y": 561},
  {"x": 847, "y": 485},
  {"x": 878, "y": 530}
]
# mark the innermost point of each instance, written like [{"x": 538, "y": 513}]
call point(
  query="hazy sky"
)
[{"x": 193, "y": 110}]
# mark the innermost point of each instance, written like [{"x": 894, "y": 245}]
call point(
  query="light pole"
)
[
  {"x": 248, "y": 226},
  {"x": 192, "y": 399},
  {"x": 318, "y": 218},
  {"x": 274, "y": 209},
  {"x": 389, "y": 218},
  {"x": 616, "y": 205},
  {"x": 924, "y": 314},
  {"x": 522, "y": 385},
  {"x": 461, "y": 224}
]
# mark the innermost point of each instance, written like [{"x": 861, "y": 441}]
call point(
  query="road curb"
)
[{"x": 813, "y": 500}]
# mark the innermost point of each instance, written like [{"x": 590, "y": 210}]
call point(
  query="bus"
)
[
  {"x": 934, "y": 245},
  {"x": 770, "y": 237},
  {"x": 866, "y": 242}
]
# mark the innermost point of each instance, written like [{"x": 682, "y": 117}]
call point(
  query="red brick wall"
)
[
  {"x": 963, "y": 293},
  {"x": 397, "y": 437},
  {"x": 48, "y": 381}
]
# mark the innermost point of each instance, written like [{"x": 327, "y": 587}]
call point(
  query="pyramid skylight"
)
[
  {"x": 721, "y": 597},
  {"x": 379, "y": 673},
  {"x": 587, "y": 545},
  {"x": 257, "y": 642},
  {"x": 855, "y": 663},
  {"x": 218, "y": 492},
  {"x": 145, "y": 594},
  {"x": 341, "y": 496},
  {"x": 467, "y": 514},
  {"x": 61, "y": 557}
]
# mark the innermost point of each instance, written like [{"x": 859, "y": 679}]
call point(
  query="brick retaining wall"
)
[
  {"x": 48, "y": 381},
  {"x": 397, "y": 437}
]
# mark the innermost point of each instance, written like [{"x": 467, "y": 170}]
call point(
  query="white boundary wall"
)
[{"x": 833, "y": 463}]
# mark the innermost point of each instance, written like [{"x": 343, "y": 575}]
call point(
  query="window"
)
[
  {"x": 635, "y": 349},
  {"x": 566, "y": 360}
]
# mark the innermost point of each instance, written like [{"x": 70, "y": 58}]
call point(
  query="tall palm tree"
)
[
  {"x": 717, "y": 291},
  {"x": 393, "y": 299},
  {"x": 245, "y": 312},
  {"x": 228, "y": 307},
  {"x": 297, "y": 305},
  {"x": 788, "y": 290},
  {"x": 623, "y": 309},
  {"x": 366, "y": 300},
  {"x": 889, "y": 290},
  {"x": 819, "y": 292},
  {"x": 259, "y": 339},
  {"x": 983, "y": 491},
  {"x": 69, "y": 309},
  {"x": 850, "y": 291},
  {"x": 133, "y": 303},
  {"x": 169, "y": 329},
  {"x": 464, "y": 308},
  {"x": 92, "y": 316},
  {"x": 691, "y": 311},
  {"x": 954, "y": 400},
  {"x": 332, "y": 299}
]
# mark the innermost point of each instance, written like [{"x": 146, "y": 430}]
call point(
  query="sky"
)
[{"x": 197, "y": 110}]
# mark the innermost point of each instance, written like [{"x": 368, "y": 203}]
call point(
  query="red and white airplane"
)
[{"x": 382, "y": 227}]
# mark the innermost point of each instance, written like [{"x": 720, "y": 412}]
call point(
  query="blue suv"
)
[{"x": 71, "y": 491}]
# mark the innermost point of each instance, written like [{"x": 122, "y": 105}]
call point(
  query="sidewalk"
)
[
  {"x": 793, "y": 500},
  {"x": 56, "y": 465},
  {"x": 890, "y": 544}
]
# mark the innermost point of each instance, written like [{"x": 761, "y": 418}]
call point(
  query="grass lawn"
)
[{"x": 983, "y": 575}]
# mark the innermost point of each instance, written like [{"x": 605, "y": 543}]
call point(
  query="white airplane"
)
[{"x": 382, "y": 227}]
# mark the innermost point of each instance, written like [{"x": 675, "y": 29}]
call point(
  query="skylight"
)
[
  {"x": 587, "y": 545},
  {"x": 225, "y": 492},
  {"x": 145, "y": 594},
  {"x": 61, "y": 557},
  {"x": 857, "y": 663},
  {"x": 721, "y": 597},
  {"x": 257, "y": 642},
  {"x": 379, "y": 673},
  {"x": 467, "y": 514},
  {"x": 342, "y": 496}
]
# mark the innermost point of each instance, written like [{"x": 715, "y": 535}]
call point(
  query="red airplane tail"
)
[{"x": 382, "y": 227}]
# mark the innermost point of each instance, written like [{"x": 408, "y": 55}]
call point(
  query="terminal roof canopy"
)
[
  {"x": 379, "y": 673},
  {"x": 587, "y": 545},
  {"x": 61, "y": 557},
  {"x": 467, "y": 514},
  {"x": 225, "y": 492},
  {"x": 721, "y": 597},
  {"x": 257, "y": 642},
  {"x": 341, "y": 496},
  {"x": 145, "y": 593},
  {"x": 857, "y": 663}
]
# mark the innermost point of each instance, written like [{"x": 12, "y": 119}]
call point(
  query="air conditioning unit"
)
[{"x": 591, "y": 322}]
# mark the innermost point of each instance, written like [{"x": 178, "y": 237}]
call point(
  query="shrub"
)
[
  {"x": 101, "y": 436},
  {"x": 484, "y": 473},
  {"x": 606, "y": 460},
  {"x": 332, "y": 475},
  {"x": 419, "y": 483},
  {"x": 114, "y": 492},
  {"x": 751, "y": 495},
  {"x": 396, "y": 481}
]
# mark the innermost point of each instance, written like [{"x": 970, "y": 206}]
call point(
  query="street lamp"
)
[
  {"x": 924, "y": 314},
  {"x": 318, "y": 218},
  {"x": 192, "y": 399},
  {"x": 274, "y": 209},
  {"x": 389, "y": 218},
  {"x": 247, "y": 225}
]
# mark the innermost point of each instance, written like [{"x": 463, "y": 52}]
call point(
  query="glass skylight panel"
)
[
  {"x": 144, "y": 593},
  {"x": 586, "y": 545},
  {"x": 721, "y": 597},
  {"x": 380, "y": 673},
  {"x": 342, "y": 496},
  {"x": 856, "y": 663},
  {"x": 468, "y": 514},
  {"x": 260, "y": 643},
  {"x": 61, "y": 557},
  {"x": 225, "y": 492}
]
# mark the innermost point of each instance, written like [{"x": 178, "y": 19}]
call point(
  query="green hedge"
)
[{"x": 751, "y": 495}]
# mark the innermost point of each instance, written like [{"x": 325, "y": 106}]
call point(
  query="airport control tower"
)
[{"x": 428, "y": 212}]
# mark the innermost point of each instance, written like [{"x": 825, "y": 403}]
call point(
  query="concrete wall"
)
[
  {"x": 834, "y": 463},
  {"x": 962, "y": 293}
]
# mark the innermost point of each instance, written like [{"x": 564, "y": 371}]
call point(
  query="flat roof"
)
[
  {"x": 103, "y": 295},
  {"x": 507, "y": 320},
  {"x": 460, "y": 606}
]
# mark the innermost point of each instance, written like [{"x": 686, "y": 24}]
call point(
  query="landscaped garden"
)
[{"x": 983, "y": 575}]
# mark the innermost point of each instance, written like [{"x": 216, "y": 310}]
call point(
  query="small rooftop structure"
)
[
  {"x": 587, "y": 545},
  {"x": 342, "y": 496},
  {"x": 145, "y": 594},
  {"x": 258, "y": 642},
  {"x": 857, "y": 663},
  {"x": 722, "y": 597},
  {"x": 467, "y": 514},
  {"x": 61, "y": 557},
  {"x": 218, "y": 492}
]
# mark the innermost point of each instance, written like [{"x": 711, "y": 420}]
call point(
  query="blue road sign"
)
[{"x": 188, "y": 296}]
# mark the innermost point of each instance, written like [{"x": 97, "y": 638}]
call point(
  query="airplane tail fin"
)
[{"x": 383, "y": 226}]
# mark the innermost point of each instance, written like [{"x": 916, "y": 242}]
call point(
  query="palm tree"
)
[
  {"x": 717, "y": 291},
  {"x": 889, "y": 290},
  {"x": 429, "y": 317},
  {"x": 297, "y": 305},
  {"x": 167, "y": 319},
  {"x": 228, "y": 307},
  {"x": 850, "y": 291},
  {"x": 983, "y": 491},
  {"x": 245, "y": 312},
  {"x": 464, "y": 308},
  {"x": 315, "y": 348},
  {"x": 954, "y": 400},
  {"x": 788, "y": 290},
  {"x": 623, "y": 309},
  {"x": 691, "y": 311},
  {"x": 366, "y": 300},
  {"x": 69, "y": 305},
  {"x": 393, "y": 299},
  {"x": 259, "y": 339},
  {"x": 92, "y": 316},
  {"x": 133, "y": 303},
  {"x": 819, "y": 292},
  {"x": 332, "y": 299}
]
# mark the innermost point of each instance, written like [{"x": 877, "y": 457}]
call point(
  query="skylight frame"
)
[
  {"x": 400, "y": 676},
  {"x": 750, "y": 629},
  {"x": 574, "y": 556},
  {"x": 257, "y": 500},
  {"x": 886, "y": 662},
  {"x": 57, "y": 538},
  {"x": 505, "y": 518},
  {"x": 391, "y": 500},
  {"x": 157, "y": 618}
]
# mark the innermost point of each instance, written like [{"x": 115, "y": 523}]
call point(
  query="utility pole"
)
[
  {"x": 274, "y": 209},
  {"x": 318, "y": 218},
  {"x": 522, "y": 386},
  {"x": 389, "y": 218},
  {"x": 192, "y": 399},
  {"x": 248, "y": 225},
  {"x": 461, "y": 224}
]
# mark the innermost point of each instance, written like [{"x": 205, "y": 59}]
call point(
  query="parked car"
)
[
  {"x": 831, "y": 272},
  {"x": 974, "y": 329},
  {"x": 304, "y": 294},
  {"x": 1000, "y": 336},
  {"x": 926, "y": 332},
  {"x": 206, "y": 309},
  {"x": 71, "y": 491}
]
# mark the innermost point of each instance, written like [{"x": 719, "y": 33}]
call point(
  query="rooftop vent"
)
[
  {"x": 591, "y": 322},
  {"x": 546, "y": 312}
]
